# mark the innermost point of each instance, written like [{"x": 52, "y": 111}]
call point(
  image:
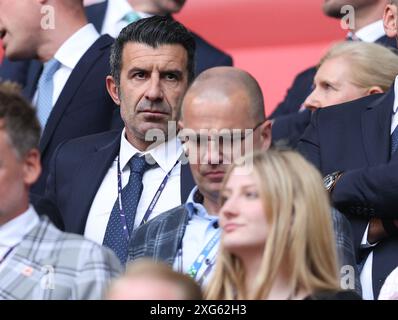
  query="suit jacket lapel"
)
[
  {"x": 87, "y": 182},
  {"x": 387, "y": 42},
  {"x": 96, "y": 14},
  {"x": 376, "y": 123},
  {"x": 34, "y": 72},
  {"x": 72, "y": 85},
  {"x": 186, "y": 182}
]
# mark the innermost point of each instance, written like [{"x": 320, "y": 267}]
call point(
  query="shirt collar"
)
[
  {"x": 395, "y": 107},
  {"x": 195, "y": 206},
  {"x": 165, "y": 154},
  {"x": 117, "y": 9},
  {"x": 371, "y": 32},
  {"x": 73, "y": 49},
  {"x": 16, "y": 229}
]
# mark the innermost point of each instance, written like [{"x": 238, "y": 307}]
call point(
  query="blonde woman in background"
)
[
  {"x": 351, "y": 70},
  {"x": 277, "y": 238}
]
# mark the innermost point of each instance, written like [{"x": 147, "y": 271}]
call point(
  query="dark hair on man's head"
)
[
  {"x": 154, "y": 31},
  {"x": 18, "y": 119}
]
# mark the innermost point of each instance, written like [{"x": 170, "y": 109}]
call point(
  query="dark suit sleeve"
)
[
  {"x": 45, "y": 207},
  {"x": 16, "y": 71},
  {"x": 309, "y": 145},
  {"x": 370, "y": 191},
  {"x": 51, "y": 184},
  {"x": 289, "y": 128},
  {"x": 297, "y": 93}
]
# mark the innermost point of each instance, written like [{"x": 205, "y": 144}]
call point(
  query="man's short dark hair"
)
[
  {"x": 18, "y": 119},
  {"x": 153, "y": 31}
]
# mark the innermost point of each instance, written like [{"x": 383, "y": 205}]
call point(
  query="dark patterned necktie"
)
[
  {"x": 394, "y": 140},
  {"x": 114, "y": 235}
]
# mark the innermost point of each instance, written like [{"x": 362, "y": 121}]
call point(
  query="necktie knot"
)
[
  {"x": 138, "y": 164},
  {"x": 50, "y": 67},
  {"x": 131, "y": 17}
]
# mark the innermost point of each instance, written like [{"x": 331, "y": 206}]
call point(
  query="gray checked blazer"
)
[
  {"x": 50, "y": 264},
  {"x": 161, "y": 238}
]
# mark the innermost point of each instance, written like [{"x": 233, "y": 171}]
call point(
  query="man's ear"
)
[
  {"x": 31, "y": 167},
  {"x": 266, "y": 134},
  {"x": 390, "y": 20},
  {"x": 113, "y": 89}
]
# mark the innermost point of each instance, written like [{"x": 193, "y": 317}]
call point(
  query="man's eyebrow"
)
[
  {"x": 136, "y": 69},
  {"x": 174, "y": 71}
]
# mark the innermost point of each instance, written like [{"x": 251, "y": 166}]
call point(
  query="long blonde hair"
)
[{"x": 299, "y": 214}]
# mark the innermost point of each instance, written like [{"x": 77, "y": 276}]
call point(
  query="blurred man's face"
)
[
  {"x": 19, "y": 28},
  {"x": 332, "y": 8},
  {"x": 144, "y": 288},
  {"x": 217, "y": 126},
  {"x": 15, "y": 178}
]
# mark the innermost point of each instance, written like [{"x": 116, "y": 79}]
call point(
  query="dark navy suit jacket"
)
[
  {"x": 355, "y": 137},
  {"x": 76, "y": 173},
  {"x": 84, "y": 107},
  {"x": 290, "y": 125}
]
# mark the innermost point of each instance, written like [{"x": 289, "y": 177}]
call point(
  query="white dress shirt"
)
[
  {"x": 389, "y": 290},
  {"x": 115, "y": 12},
  {"x": 366, "y": 274},
  {"x": 69, "y": 54},
  {"x": 13, "y": 232},
  {"x": 201, "y": 228},
  {"x": 166, "y": 156},
  {"x": 371, "y": 32}
]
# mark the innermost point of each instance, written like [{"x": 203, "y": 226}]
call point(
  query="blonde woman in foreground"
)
[{"x": 277, "y": 238}]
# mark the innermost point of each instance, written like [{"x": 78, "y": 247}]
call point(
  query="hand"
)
[{"x": 376, "y": 230}]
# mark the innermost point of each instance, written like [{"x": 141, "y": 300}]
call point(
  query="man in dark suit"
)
[
  {"x": 110, "y": 16},
  {"x": 69, "y": 92},
  {"x": 368, "y": 27},
  {"x": 353, "y": 143},
  {"x": 106, "y": 185},
  {"x": 219, "y": 99}
]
